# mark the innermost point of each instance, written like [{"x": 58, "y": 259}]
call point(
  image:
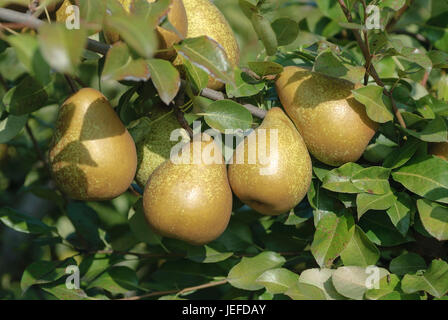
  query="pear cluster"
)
[{"x": 93, "y": 156}]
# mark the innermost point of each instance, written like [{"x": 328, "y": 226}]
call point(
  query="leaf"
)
[
  {"x": 401, "y": 211},
  {"x": 27, "y": 97},
  {"x": 119, "y": 65},
  {"x": 61, "y": 292},
  {"x": 244, "y": 274},
  {"x": 166, "y": 79},
  {"x": 244, "y": 86},
  {"x": 227, "y": 114},
  {"x": 387, "y": 286},
  {"x": 327, "y": 62},
  {"x": 40, "y": 272},
  {"x": 333, "y": 233},
  {"x": 265, "y": 68},
  {"x": 434, "y": 218},
  {"x": 435, "y": 131},
  {"x": 377, "y": 105},
  {"x": 286, "y": 30},
  {"x": 321, "y": 201},
  {"x": 366, "y": 202},
  {"x": 278, "y": 280},
  {"x": 434, "y": 280},
  {"x": 197, "y": 76},
  {"x": 140, "y": 227},
  {"x": 119, "y": 279},
  {"x": 321, "y": 278},
  {"x": 61, "y": 48},
  {"x": 427, "y": 177},
  {"x": 402, "y": 155},
  {"x": 360, "y": 251},
  {"x": 305, "y": 291},
  {"x": 339, "y": 179},
  {"x": 85, "y": 220},
  {"x": 11, "y": 126},
  {"x": 206, "y": 254},
  {"x": 353, "y": 282},
  {"x": 407, "y": 263},
  {"x": 373, "y": 180},
  {"x": 208, "y": 55},
  {"x": 23, "y": 223},
  {"x": 393, "y": 4}
]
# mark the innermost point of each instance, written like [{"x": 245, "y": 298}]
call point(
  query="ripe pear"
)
[
  {"x": 334, "y": 126},
  {"x": 92, "y": 155},
  {"x": 276, "y": 184},
  {"x": 439, "y": 150},
  {"x": 191, "y": 200},
  {"x": 177, "y": 17},
  {"x": 155, "y": 148},
  {"x": 205, "y": 19}
]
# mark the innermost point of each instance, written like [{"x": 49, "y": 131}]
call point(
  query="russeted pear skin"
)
[
  {"x": 155, "y": 147},
  {"x": 205, "y": 19},
  {"x": 92, "y": 155},
  {"x": 275, "y": 186},
  {"x": 439, "y": 149},
  {"x": 334, "y": 126},
  {"x": 189, "y": 201}
]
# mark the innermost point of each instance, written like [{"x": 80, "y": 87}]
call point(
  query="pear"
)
[
  {"x": 205, "y": 19},
  {"x": 276, "y": 184},
  {"x": 439, "y": 149},
  {"x": 334, "y": 126},
  {"x": 176, "y": 16},
  {"x": 190, "y": 200},
  {"x": 92, "y": 155},
  {"x": 156, "y": 146}
]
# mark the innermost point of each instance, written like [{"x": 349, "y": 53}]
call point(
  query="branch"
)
[
  {"x": 177, "y": 292},
  {"x": 397, "y": 16},
  {"x": 372, "y": 71}
]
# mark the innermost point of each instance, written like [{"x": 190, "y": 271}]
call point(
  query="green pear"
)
[
  {"x": 335, "y": 126},
  {"x": 190, "y": 200},
  {"x": 92, "y": 155},
  {"x": 276, "y": 184}
]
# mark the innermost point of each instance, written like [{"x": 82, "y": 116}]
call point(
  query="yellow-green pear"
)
[
  {"x": 439, "y": 149},
  {"x": 271, "y": 170},
  {"x": 92, "y": 155},
  {"x": 156, "y": 146},
  {"x": 205, "y": 19},
  {"x": 189, "y": 198},
  {"x": 334, "y": 126}
]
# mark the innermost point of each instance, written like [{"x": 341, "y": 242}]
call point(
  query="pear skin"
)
[
  {"x": 205, "y": 19},
  {"x": 334, "y": 126},
  {"x": 92, "y": 155},
  {"x": 277, "y": 184},
  {"x": 439, "y": 149},
  {"x": 190, "y": 201}
]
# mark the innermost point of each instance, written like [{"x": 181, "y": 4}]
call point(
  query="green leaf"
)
[
  {"x": 366, "y": 202},
  {"x": 85, "y": 220},
  {"x": 278, "y": 280},
  {"x": 427, "y": 177},
  {"x": 244, "y": 86},
  {"x": 227, "y": 114},
  {"x": 305, "y": 291},
  {"x": 208, "y": 55},
  {"x": 407, "y": 263},
  {"x": 206, "y": 254},
  {"x": 61, "y": 291},
  {"x": 378, "y": 106},
  {"x": 353, "y": 282},
  {"x": 116, "y": 280},
  {"x": 27, "y": 97},
  {"x": 393, "y": 4},
  {"x": 40, "y": 272},
  {"x": 197, "y": 76},
  {"x": 321, "y": 278},
  {"x": 374, "y": 180},
  {"x": 94, "y": 265},
  {"x": 11, "y": 126},
  {"x": 166, "y": 79},
  {"x": 434, "y": 218},
  {"x": 327, "y": 62},
  {"x": 360, "y": 251},
  {"x": 333, "y": 233},
  {"x": 402, "y": 155},
  {"x": 244, "y": 274},
  {"x": 23, "y": 223},
  {"x": 92, "y": 14},
  {"x": 286, "y": 30},
  {"x": 434, "y": 280},
  {"x": 435, "y": 131},
  {"x": 119, "y": 65},
  {"x": 140, "y": 227},
  {"x": 321, "y": 201},
  {"x": 339, "y": 179},
  {"x": 62, "y": 48},
  {"x": 386, "y": 287},
  {"x": 265, "y": 68},
  {"x": 401, "y": 211}
]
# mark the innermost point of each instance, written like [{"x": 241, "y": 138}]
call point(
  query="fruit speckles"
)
[{"x": 333, "y": 124}]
